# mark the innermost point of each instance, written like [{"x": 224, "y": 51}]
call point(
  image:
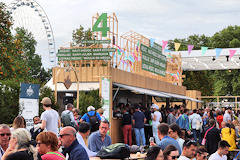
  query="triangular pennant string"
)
[
  {"x": 204, "y": 50},
  {"x": 232, "y": 52},
  {"x": 190, "y": 47},
  {"x": 164, "y": 44},
  {"x": 177, "y": 46},
  {"x": 218, "y": 52}
]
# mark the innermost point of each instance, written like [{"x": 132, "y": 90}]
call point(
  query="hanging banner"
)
[
  {"x": 105, "y": 91},
  {"x": 232, "y": 52},
  {"x": 29, "y": 102},
  {"x": 190, "y": 47},
  {"x": 204, "y": 50},
  {"x": 218, "y": 52}
]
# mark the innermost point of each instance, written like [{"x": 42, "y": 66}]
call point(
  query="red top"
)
[
  {"x": 53, "y": 156},
  {"x": 219, "y": 120}
]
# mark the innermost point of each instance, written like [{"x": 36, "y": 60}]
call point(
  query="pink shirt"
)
[{"x": 53, "y": 156}]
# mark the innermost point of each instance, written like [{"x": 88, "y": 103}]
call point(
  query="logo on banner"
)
[{"x": 30, "y": 91}]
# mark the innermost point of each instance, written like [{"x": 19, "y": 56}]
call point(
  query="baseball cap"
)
[
  {"x": 46, "y": 101},
  {"x": 155, "y": 106},
  {"x": 90, "y": 108}
]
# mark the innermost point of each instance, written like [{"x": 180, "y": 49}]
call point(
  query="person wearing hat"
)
[
  {"x": 92, "y": 117},
  {"x": 50, "y": 118},
  {"x": 156, "y": 119}
]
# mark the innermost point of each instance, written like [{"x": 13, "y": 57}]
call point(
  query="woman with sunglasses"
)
[
  {"x": 170, "y": 153},
  {"x": 21, "y": 147},
  {"x": 47, "y": 146}
]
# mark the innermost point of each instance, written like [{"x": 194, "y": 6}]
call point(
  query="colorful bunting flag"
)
[
  {"x": 164, "y": 44},
  {"x": 232, "y": 52},
  {"x": 119, "y": 53},
  {"x": 190, "y": 47},
  {"x": 137, "y": 46},
  {"x": 218, "y": 52},
  {"x": 167, "y": 51},
  {"x": 152, "y": 42},
  {"x": 131, "y": 59},
  {"x": 204, "y": 50},
  {"x": 177, "y": 46}
]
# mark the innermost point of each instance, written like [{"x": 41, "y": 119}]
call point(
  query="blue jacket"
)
[
  {"x": 76, "y": 152},
  {"x": 183, "y": 122}
]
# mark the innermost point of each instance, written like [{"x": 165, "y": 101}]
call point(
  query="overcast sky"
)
[{"x": 159, "y": 19}]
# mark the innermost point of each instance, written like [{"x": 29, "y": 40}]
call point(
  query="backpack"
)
[
  {"x": 114, "y": 151},
  {"x": 66, "y": 120},
  {"x": 93, "y": 120}
]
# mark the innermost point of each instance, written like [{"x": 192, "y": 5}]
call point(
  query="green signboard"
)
[
  {"x": 153, "y": 60},
  {"x": 85, "y": 54},
  {"x": 96, "y": 41}
]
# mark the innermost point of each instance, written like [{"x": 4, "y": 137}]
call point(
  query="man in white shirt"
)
[
  {"x": 189, "y": 150},
  {"x": 4, "y": 138},
  {"x": 83, "y": 132},
  {"x": 222, "y": 151},
  {"x": 156, "y": 119},
  {"x": 196, "y": 125},
  {"x": 50, "y": 118},
  {"x": 227, "y": 115}
]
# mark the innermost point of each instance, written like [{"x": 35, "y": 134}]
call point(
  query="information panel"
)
[{"x": 153, "y": 60}]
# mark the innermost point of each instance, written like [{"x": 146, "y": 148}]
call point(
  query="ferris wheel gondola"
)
[{"x": 31, "y": 16}]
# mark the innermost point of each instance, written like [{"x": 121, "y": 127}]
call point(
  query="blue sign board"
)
[{"x": 30, "y": 91}]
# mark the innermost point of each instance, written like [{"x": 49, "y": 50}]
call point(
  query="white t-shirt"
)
[
  {"x": 216, "y": 156},
  {"x": 183, "y": 158},
  {"x": 51, "y": 117},
  {"x": 81, "y": 141},
  {"x": 180, "y": 142},
  {"x": 227, "y": 117},
  {"x": 158, "y": 116}
]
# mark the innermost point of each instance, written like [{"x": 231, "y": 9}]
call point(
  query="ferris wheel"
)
[{"x": 31, "y": 16}]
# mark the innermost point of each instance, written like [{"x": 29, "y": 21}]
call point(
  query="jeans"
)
[
  {"x": 197, "y": 135},
  {"x": 127, "y": 134},
  {"x": 139, "y": 133},
  {"x": 155, "y": 133}
]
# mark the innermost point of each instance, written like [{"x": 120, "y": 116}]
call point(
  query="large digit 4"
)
[{"x": 104, "y": 28}]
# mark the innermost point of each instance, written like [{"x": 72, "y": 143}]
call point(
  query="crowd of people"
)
[{"x": 168, "y": 133}]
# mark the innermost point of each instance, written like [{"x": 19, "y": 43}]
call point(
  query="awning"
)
[
  {"x": 86, "y": 86},
  {"x": 142, "y": 90},
  {"x": 156, "y": 93}
]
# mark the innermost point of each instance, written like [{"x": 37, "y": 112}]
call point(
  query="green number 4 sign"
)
[{"x": 104, "y": 28}]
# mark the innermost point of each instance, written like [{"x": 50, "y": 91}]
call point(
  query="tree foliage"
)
[
  {"x": 80, "y": 34},
  {"x": 90, "y": 98}
]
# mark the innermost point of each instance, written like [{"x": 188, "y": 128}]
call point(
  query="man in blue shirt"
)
[
  {"x": 183, "y": 121},
  {"x": 92, "y": 113},
  {"x": 165, "y": 139},
  {"x": 72, "y": 148},
  {"x": 138, "y": 122},
  {"x": 100, "y": 139}
]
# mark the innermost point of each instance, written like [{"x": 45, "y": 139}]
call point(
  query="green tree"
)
[
  {"x": 228, "y": 37},
  {"x": 27, "y": 44},
  {"x": 80, "y": 34},
  {"x": 90, "y": 98}
]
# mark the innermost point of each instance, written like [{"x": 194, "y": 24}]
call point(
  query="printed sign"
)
[
  {"x": 106, "y": 97},
  {"x": 29, "y": 101},
  {"x": 96, "y": 41},
  {"x": 153, "y": 60}
]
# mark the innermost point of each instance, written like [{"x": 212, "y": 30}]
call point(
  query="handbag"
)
[
  {"x": 114, "y": 151},
  {"x": 204, "y": 138}
]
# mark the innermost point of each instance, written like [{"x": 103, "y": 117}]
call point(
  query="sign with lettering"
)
[
  {"x": 153, "y": 60},
  {"x": 96, "y": 41},
  {"x": 85, "y": 54}
]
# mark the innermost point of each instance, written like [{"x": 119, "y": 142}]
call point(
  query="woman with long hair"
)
[
  {"x": 170, "y": 153},
  {"x": 228, "y": 134},
  {"x": 47, "y": 146},
  {"x": 154, "y": 153},
  {"x": 21, "y": 147},
  {"x": 18, "y": 122}
]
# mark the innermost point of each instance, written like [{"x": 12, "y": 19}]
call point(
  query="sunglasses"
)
[
  {"x": 62, "y": 135},
  {"x": 175, "y": 157},
  {"x": 5, "y": 134},
  {"x": 38, "y": 144}
]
